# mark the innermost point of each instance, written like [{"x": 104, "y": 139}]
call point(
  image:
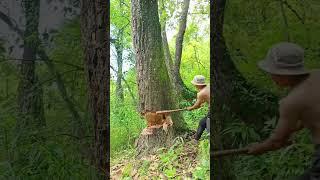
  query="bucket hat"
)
[
  {"x": 199, "y": 80},
  {"x": 284, "y": 59}
]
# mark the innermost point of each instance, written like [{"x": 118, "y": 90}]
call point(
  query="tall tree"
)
[
  {"x": 174, "y": 65},
  {"x": 154, "y": 87},
  {"x": 120, "y": 34},
  {"x": 217, "y": 62},
  {"x": 95, "y": 37},
  {"x": 30, "y": 96}
]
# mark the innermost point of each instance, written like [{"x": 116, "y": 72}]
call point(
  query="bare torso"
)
[
  {"x": 204, "y": 94},
  {"x": 306, "y": 100}
]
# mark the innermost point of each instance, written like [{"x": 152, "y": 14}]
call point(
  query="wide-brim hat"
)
[
  {"x": 284, "y": 59},
  {"x": 199, "y": 80}
]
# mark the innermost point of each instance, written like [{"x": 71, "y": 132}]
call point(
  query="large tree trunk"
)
[
  {"x": 95, "y": 37},
  {"x": 174, "y": 67},
  {"x": 154, "y": 87},
  {"x": 217, "y": 62},
  {"x": 30, "y": 95}
]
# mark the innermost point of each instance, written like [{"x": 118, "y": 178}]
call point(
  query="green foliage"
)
[
  {"x": 202, "y": 171},
  {"x": 249, "y": 34},
  {"x": 52, "y": 151},
  {"x": 284, "y": 164},
  {"x": 120, "y": 22},
  {"x": 242, "y": 134},
  {"x": 125, "y": 122},
  {"x": 127, "y": 170}
]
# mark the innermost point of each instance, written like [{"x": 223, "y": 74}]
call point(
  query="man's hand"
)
[
  {"x": 268, "y": 145},
  {"x": 257, "y": 148}
]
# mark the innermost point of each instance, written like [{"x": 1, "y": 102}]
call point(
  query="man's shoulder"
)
[
  {"x": 294, "y": 100},
  {"x": 204, "y": 91}
]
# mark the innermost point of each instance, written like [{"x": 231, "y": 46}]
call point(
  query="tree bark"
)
[
  {"x": 95, "y": 39},
  {"x": 30, "y": 94},
  {"x": 180, "y": 36},
  {"x": 154, "y": 87},
  {"x": 221, "y": 168}
]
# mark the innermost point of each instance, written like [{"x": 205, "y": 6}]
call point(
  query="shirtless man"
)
[
  {"x": 300, "y": 109},
  {"x": 203, "y": 96}
]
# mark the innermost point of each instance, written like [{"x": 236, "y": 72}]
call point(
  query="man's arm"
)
[
  {"x": 287, "y": 124},
  {"x": 197, "y": 104}
]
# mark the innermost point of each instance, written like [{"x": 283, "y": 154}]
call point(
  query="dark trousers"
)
[
  {"x": 314, "y": 172},
  {"x": 202, "y": 126}
]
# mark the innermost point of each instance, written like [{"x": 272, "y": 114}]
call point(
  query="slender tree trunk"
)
[
  {"x": 154, "y": 87},
  {"x": 179, "y": 46},
  {"x": 174, "y": 67},
  {"x": 119, "y": 50},
  {"x": 30, "y": 95},
  {"x": 179, "y": 39},
  {"x": 128, "y": 86},
  {"x": 95, "y": 37}
]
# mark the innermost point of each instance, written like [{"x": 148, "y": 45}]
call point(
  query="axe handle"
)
[
  {"x": 230, "y": 152},
  {"x": 170, "y": 111}
]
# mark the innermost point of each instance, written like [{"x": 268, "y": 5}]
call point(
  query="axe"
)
[
  {"x": 170, "y": 111},
  {"x": 228, "y": 152}
]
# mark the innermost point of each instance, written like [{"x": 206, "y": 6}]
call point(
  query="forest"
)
[
  {"x": 245, "y": 98},
  {"x": 56, "y": 94},
  {"x": 175, "y": 35},
  {"x": 53, "y": 97}
]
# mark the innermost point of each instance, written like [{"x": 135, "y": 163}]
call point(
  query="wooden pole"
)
[
  {"x": 230, "y": 152},
  {"x": 170, "y": 111}
]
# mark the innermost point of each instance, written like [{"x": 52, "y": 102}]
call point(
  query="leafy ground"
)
[{"x": 186, "y": 159}]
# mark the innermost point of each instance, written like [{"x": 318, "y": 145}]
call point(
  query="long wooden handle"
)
[
  {"x": 230, "y": 152},
  {"x": 170, "y": 111}
]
